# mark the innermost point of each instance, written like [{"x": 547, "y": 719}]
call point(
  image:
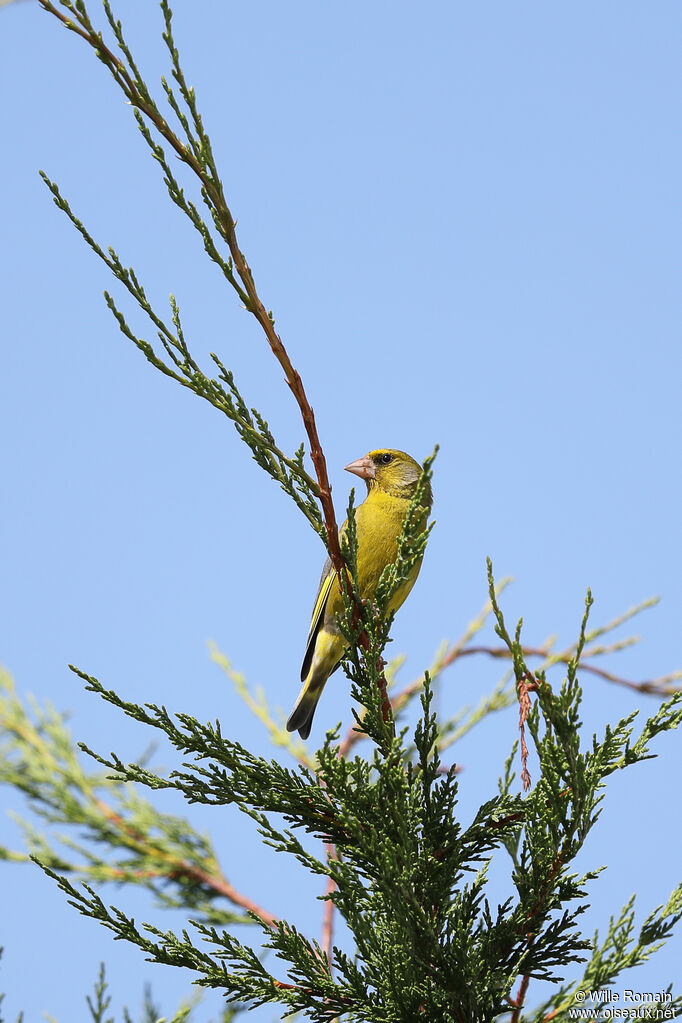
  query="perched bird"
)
[{"x": 391, "y": 478}]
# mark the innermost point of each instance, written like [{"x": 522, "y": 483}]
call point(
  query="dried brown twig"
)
[
  {"x": 661, "y": 686},
  {"x": 525, "y": 687},
  {"x": 652, "y": 687}
]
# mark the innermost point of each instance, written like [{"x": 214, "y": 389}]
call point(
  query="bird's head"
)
[{"x": 389, "y": 470}]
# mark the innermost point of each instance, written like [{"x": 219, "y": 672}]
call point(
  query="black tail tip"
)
[{"x": 301, "y": 720}]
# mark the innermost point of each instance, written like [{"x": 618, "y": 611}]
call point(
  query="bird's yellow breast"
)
[{"x": 379, "y": 522}]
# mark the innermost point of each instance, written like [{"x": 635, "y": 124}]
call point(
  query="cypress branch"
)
[{"x": 402, "y": 867}]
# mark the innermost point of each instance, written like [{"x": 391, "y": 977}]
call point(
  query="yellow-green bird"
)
[{"x": 391, "y": 478}]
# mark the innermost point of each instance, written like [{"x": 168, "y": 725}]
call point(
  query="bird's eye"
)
[{"x": 385, "y": 459}]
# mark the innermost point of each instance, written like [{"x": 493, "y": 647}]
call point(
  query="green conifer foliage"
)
[{"x": 380, "y": 829}]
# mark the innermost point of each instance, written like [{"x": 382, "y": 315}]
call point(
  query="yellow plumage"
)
[{"x": 391, "y": 478}]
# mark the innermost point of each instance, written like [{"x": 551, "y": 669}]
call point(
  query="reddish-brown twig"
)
[
  {"x": 223, "y": 887},
  {"x": 518, "y": 1001},
  {"x": 327, "y": 941},
  {"x": 651, "y": 687}
]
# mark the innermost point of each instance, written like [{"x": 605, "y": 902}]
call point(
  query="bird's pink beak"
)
[{"x": 363, "y": 467}]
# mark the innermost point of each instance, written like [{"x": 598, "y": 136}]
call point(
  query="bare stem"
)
[{"x": 327, "y": 941}]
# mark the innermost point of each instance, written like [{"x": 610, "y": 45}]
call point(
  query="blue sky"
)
[{"x": 467, "y": 223}]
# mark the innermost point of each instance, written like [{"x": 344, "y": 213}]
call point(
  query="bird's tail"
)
[
  {"x": 329, "y": 647},
  {"x": 301, "y": 717}
]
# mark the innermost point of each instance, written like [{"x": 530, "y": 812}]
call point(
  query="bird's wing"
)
[{"x": 326, "y": 580}]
